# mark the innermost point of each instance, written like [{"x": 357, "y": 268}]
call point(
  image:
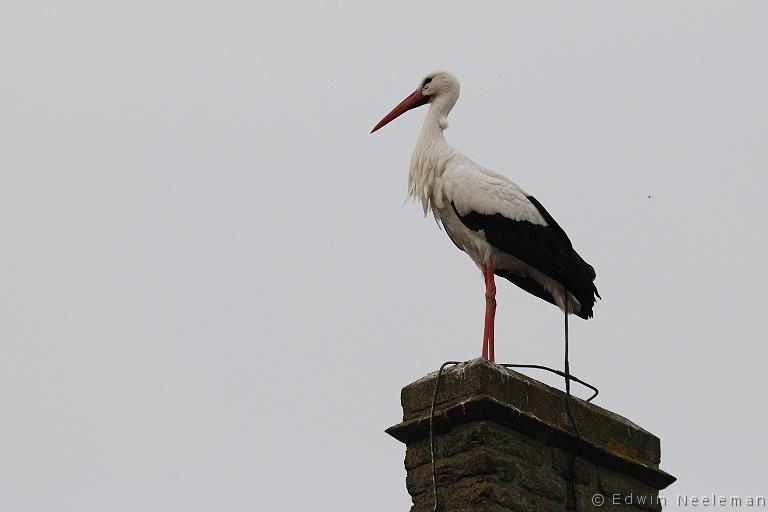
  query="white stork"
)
[{"x": 504, "y": 230}]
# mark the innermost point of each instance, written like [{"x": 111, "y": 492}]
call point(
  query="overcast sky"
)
[{"x": 212, "y": 291}]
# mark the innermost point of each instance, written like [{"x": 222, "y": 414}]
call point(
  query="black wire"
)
[
  {"x": 572, "y": 474},
  {"x": 556, "y": 372},
  {"x": 568, "y": 378},
  {"x": 431, "y": 428}
]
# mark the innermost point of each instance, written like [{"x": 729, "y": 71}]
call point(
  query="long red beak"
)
[{"x": 416, "y": 99}]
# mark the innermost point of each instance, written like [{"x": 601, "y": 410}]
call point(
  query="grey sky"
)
[{"x": 212, "y": 292}]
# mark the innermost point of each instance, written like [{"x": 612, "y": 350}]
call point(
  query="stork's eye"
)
[{"x": 426, "y": 82}]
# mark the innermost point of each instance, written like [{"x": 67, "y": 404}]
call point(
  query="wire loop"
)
[{"x": 568, "y": 378}]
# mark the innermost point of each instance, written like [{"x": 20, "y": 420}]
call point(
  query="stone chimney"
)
[{"x": 503, "y": 442}]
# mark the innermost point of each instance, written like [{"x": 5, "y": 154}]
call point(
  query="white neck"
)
[{"x": 430, "y": 156}]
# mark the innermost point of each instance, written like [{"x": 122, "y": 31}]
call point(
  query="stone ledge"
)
[{"x": 479, "y": 390}]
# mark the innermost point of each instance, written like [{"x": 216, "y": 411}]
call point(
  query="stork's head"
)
[{"x": 439, "y": 87}]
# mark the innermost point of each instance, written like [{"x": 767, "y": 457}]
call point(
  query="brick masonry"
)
[{"x": 504, "y": 443}]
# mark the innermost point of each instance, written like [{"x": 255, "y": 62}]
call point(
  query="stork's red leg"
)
[
  {"x": 490, "y": 311},
  {"x": 485, "y": 324}
]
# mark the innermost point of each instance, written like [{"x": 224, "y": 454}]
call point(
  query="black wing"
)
[{"x": 546, "y": 248}]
